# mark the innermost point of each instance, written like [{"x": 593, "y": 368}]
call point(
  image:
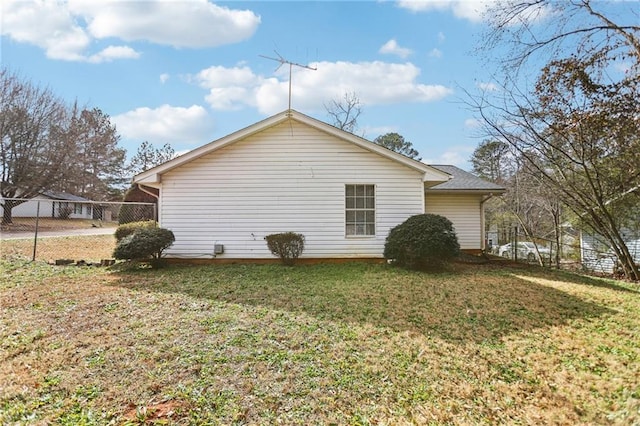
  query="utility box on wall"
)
[{"x": 218, "y": 248}]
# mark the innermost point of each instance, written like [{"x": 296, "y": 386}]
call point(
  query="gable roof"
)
[
  {"x": 464, "y": 182},
  {"x": 152, "y": 176},
  {"x": 64, "y": 196}
]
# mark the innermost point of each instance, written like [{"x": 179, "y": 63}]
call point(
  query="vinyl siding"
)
[
  {"x": 464, "y": 211},
  {"x": 290, "y": 177}
]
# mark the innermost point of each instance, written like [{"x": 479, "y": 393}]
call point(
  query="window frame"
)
[{"x": 360, "y": 217}]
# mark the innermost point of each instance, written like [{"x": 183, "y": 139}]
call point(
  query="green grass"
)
[{"x": 319, "y": 344}]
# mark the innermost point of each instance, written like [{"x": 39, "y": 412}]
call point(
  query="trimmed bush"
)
[
  {"x": 127, "y": 229},
  {"x": 288, "y": 246},
  {"x": 145, "y": 244},
  {"x": 425, "y": 241}
]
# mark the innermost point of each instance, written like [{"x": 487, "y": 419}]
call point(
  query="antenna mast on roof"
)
[{"x": 291, "y": 64}]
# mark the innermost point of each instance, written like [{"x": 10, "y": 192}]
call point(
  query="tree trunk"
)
[{"x": 7, "y": 212}]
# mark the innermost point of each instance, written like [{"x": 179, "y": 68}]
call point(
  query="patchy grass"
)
[
  {"x": 318, "y": 344},
  {"x": 90, "y": 248}
]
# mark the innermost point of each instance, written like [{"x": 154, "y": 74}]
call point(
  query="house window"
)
[
  {"x": 77, "y": 208},
  {"x": 360, "y": 203}
]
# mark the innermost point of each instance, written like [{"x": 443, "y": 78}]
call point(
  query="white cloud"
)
[
  {"x": 46, "y": 25},
  {"x": 472, "y": 123},
  {"x": 66, "y": 30},
  {"x": 487, "y": 86},
  {"x": 195, "y": 23},
  {"x": 166, "y": 124},
  {"x": 441, "y": 37},
  {"x": 393, "y": 48},
  {"x": 164, "y": 77},
  {"x": 114, "y": 52},
  {"x": 475, "y": 10},
  {"x": 464, "y": 9},
  {"x": 435, "y": 53},
  {"x": 375, "y": 83},
  {"x": 457, "y": 156}
]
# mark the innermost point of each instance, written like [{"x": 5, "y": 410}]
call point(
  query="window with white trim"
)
[{"x": 360, "y": 212}]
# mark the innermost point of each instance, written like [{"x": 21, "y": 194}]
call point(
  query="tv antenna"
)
[{"x": 282, "y": 62}]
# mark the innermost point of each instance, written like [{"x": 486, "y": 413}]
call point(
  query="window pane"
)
[
  {"x": 360, "y": 215},
  {"x": 369, "y": 202},
  {"x": 351, "y": 202},
  {"x": 369, "y": 216}
]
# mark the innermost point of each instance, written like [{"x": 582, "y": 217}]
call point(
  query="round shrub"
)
[
  {"x": 425, "y": 241},
  {"x": 127, "y": 229},
  {"x": 288, "y": 246},
  {"x": 144, "y": 244}
]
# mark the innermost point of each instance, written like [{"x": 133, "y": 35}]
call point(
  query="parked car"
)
[{"x": 526, "y": 251}]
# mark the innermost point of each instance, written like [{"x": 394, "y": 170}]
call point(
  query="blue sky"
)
[{"x": 186, "y": 72}]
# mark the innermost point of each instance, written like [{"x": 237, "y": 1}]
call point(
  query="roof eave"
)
[
  {"x": 154, "y": 175},
  {"x": 466, "y": 191}
]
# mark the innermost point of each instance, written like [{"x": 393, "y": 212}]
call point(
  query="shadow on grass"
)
[{"x": 473, "y": 304}]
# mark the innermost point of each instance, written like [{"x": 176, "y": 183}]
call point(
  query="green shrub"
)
[
  {"x": 127, "y": 229},
  {"x": 145, "y": 244},
  {"x": 425, "y": 241},
  {"x": 288, "y": 246}
]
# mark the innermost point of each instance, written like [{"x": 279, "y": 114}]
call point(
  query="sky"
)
[{"x": 186, "y": 72}]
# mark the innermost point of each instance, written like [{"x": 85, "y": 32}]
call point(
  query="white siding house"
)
[
  {"x": 54, "y": 205},
  {"x": 289, "y": 172},
  {"x": 461, "y": 199}
]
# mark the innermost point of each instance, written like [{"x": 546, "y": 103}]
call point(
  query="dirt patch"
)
[
  {"x": 28, "y": 224},
  {"x": 160, "y": 412}
]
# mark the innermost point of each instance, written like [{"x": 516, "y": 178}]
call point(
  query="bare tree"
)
[
  {"x": 578, "y": 126},
  {"x": 344, "y": 113},
  {"x": 34, "y": 149}
]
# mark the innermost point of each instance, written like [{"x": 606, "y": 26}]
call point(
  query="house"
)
[
  {"x": 597, "y": 256},
  {"x": 461, "y": 199},
  {"x": 291, "y": 172},
  {"x": 55, "y": 205}
]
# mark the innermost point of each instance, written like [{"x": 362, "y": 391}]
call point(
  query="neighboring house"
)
[
  {"x": 597, "y": 256},
  {"x": 55, "y": 204},
  {"x": 291, "y": 172}
]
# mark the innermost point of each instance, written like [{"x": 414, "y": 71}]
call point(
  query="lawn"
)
[
  {"x": 316, "y": 344},
  {"x": 90, "y": 248}
]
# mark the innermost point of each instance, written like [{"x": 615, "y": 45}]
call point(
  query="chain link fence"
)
[
  {"x": 576, "y": 251},
  {"x": 65, "y": 231}
]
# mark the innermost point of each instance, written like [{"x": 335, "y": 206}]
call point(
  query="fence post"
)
[
  {"x": 35, "y": 237},
  {"x": 515, "y": 245}
]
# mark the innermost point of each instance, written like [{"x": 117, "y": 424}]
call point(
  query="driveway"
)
[{"x": 59, "y": 233}]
